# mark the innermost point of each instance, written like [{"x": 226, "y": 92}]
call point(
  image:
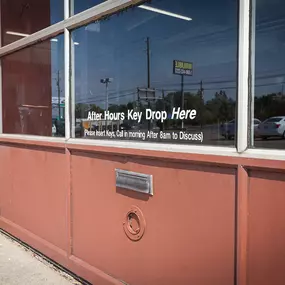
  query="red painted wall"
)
[
  {"x": 210, "y": 221},
  {"x": 266, "y": 244},
  {"x": 189, "y": 236}
]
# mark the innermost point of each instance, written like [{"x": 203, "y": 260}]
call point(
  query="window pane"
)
[
  {"x": 269, "y": 94},
  {"x": 20, "y": 18},
  {"x": 78, "y": 6},
  {"x": 168, "y": 66},
  {"x": 33, "y": 90}
]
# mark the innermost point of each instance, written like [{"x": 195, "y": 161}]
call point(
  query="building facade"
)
[{"x": 189, "y": 188}]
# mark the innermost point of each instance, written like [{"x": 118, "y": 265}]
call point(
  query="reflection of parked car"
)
[
  {"x": 59, "y": 127},
  {"x": 272, "y": 127},
  {"x": 53, "y": 130},
  {"x": 228, "y": 130},
  {"x": 256, "y": 124},
  {"x": 78, "y": 130},
  {"x": 125, "y": 126}
]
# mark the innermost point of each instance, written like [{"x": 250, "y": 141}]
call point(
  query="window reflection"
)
[
  {"x": 33, "y": 90},
  {"x": 161, "y": 56},
  {"x": 20, "y": 18},
  {"x": 269, "y": 77},
  {"x": 78, "y": 6}
]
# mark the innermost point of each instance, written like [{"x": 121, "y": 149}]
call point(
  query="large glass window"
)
[
  {"x": 78, "y": 6},
  {"x": 268, "y": 127},
  {"x": 33, "y": 89},
  {"x": 164, "y": 71},
  {"x": 20, "y": 18}
]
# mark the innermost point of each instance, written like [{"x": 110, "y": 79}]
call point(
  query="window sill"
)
[
  {"x": 223, "y": 156},
  {"x": 37, "y": 141}
]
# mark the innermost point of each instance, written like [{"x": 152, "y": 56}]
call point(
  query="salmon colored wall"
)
[
  {"x": 211, "y": 220},
  {"x": 26, "y": 74},
  {"x": 26, "y": 174},
  {"x": 266, "y": 243},
  {"x": 190, "y": 233}
]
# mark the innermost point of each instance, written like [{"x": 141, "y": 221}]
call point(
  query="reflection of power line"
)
[
  {"x": 270, "y": 84},
  {"x": 221, "y": 82},
  {"x": 256, "y": 85},
  {"x": 95, "y": 101},
  {"x": 95, "y": 96},
  {"x": 205, "y": 36},
  {"x": 168, "y": 38},
  {"x": 122, "y": 94},
  {"x": 103, "y": 100},
  {"x": 115, "y": 51},
  {"x": 275, "y": 28},
  {"x": 264, "y": 23},
  {"x": 200, "y": 38},
  {"x": 269, "y": 76}
]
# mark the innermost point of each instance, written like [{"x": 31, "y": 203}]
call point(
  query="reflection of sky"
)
[
  {"x": 57, "y": 11},
  {"x": 117, "y": 48},
  {"x": 270, "y": 45},
  {"x": 82, "y": 5}
]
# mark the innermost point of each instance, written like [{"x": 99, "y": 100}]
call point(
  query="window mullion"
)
[{"x": 243, "y": 76}]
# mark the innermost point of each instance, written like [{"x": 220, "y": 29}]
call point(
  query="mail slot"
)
[{"x": 134, "y": 181}]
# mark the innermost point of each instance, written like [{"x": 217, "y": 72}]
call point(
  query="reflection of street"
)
[
  {"x": 274, "y": 143},
  {"x": 212, "y": 136}
]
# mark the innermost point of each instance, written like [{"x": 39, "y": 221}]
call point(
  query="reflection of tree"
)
[
  {"x": 81, "y": 109},
  {"x": 219, "y": 109},
  {"x": 122, "y": 108},
  {"x": 160, "y": 105},
  {"x": 269, "y": 106}
]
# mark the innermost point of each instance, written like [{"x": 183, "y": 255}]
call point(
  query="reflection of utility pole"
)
[
  {"x": 163, "y": 101},
  {"x": 106, "y": 81},
  {"x": 202, "y": 91},
  {"x": 148, "y": 71},
  {"x": 58, "y": 93},
  {"x": 139, "y": 99},
  {"x": 148, "y": 61},
  {"x": 182, "y": 98},
  {"x": 202, "y": 102}
]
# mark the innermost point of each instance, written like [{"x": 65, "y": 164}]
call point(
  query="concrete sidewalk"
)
[{"x": 19, "y": 265}]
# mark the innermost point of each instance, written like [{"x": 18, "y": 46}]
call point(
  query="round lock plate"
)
[{"x": 134, "y": 224}]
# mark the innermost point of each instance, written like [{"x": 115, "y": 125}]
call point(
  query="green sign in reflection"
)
[{"x": 182, "y": 67}]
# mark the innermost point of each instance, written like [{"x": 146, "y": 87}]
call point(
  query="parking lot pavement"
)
[
  {"x": 19, "y": 266},
  {"x": 270, "y": 144},
  {"x": 212, "y": 137}
]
